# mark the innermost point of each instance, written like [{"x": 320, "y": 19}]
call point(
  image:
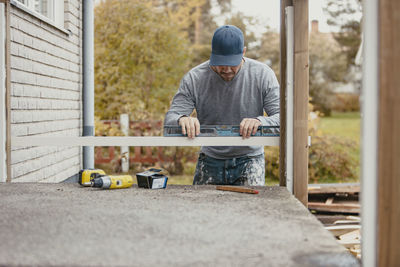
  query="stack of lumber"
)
[
  {"x": 347, "y": 232},
  {"x": 334, "y": 198},
  {"x": 333, "y": 204}
]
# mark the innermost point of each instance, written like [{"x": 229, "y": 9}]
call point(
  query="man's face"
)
[{"x": 227, "y": 72}]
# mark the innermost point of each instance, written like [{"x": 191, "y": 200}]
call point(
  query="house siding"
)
[{"x": 46, "y": 93}]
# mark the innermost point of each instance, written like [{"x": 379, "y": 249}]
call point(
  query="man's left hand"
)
[{"x": 248, "y": 127}]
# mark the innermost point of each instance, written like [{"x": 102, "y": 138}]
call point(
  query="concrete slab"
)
[{"x": 64, "y": 224}]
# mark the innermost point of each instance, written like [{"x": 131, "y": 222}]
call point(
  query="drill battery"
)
[
  {"x": 86, "y": 175},
  {"x": 152, "y": 179}
]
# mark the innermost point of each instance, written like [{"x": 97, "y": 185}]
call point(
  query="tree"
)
[
  {"x": 244, "y": 23},
  {"x": 140, "y": 56},
  {"x": 327, "y": 66},
  {"x": 344, "y": 16},
  {"x": 196, "y": 22},
  {"x": 269, "y": 49}
]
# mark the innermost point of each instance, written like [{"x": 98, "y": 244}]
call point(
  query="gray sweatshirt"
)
[{"x": 252, "y": 91}]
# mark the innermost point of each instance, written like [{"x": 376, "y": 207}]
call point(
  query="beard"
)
[{"x": 227, "y": 76}]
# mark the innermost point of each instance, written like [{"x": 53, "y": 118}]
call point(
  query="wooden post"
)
[
  {"x": 282, "y": 76},
  {"x": 300, "y": 139},
  {"x": 124, "y": 124},
  {"x": 388, "y": 233}
]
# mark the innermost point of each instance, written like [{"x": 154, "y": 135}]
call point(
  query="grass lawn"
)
[
  {"x": 180, "y": 179},
  {"x": 342, "y": 125}
]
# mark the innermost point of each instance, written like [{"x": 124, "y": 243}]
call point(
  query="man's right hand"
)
[{"x": 190, "y": 126}]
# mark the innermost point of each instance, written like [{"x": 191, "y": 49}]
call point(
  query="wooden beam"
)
[
  {"x": 282, "y": 76},
  {"x": 8, "y": 90},
  {"x": 338, "y": 207},
  {"x": 142, "y": 141},
  {"x": 388, "y": 233},
  {"x": 350, "y": 189},
  {"x": 342, "y": 229},
  {"x": 300, "y": 109}
]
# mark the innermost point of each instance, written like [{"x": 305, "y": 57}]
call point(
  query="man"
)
[{"x": 229, "y": 89}]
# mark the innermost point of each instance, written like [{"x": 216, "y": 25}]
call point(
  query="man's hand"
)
[
  {"x": 190, "y": 126},
  {"x": 248, "y": 127}
]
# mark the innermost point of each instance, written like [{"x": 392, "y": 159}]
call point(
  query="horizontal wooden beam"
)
[
  {"x": 142, "y": 141},
  {"x": 333, "y": 189},
  {"x": 335, "y": 207}
]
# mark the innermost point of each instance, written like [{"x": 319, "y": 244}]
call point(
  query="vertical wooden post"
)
[
  {"x": 124, "y": 124},
  {"x": 282, "y": 76},
  {"x": 300, "y": 139},
  {"x": 388, "y": 233}
]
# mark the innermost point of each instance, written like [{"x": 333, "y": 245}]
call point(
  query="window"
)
[
  {"x": 52, "y": 10},
  {"x": 44, "y": 7}
]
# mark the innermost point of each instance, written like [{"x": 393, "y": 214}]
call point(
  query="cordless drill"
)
[
  {"x": 86, "y": 175},
  {"x": 112, "y": 181}
]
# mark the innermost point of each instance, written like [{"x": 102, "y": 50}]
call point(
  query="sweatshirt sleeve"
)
[
  {"x": 182, "y": 104},
  {"x": 270, "y": 87}
]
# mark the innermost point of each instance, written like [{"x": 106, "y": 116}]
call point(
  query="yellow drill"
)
[
  {"x": 112, "y": 181},
  {"x": 86, "y": 175}
]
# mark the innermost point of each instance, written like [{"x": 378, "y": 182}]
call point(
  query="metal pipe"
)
[
  {"x": 369, "y": 139},
  {"x": 88, "y": 81},
  {"x": 8, "y": 89},
  {"x": 289, "y": 96},
  {"x": 3, "y": 134}
]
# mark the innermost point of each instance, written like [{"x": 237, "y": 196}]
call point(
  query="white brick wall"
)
[{"x": 46, "y": 90}]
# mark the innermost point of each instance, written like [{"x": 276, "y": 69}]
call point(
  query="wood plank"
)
[
  {"x": 300, "y": 109},
  {"x": 349, "y": 243},
  {"x": 342, "y": 229},
  {"x": 339, "y": 208},
  {"x": 388, "y": 231},
  {"x": 354, "y": 218},
  {"x": 329, "y": 219},
  {"x": 356, "y": 252},
  {"x": 333, "y": 189},
  {"x": 353, "y": 235},
  {"x": 329, "y": 201},
  {"x": 345, "y": 222},
  {"x": 143, "y": 141}
]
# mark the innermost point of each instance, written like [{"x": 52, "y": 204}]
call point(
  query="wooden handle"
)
[{"x": 237, "y": 189}]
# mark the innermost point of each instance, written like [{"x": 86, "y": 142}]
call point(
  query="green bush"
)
[
  {"x": 272, "y": 163},
  {"x": 330, "y": 160},
  {"x": 346, "y": 102},
  {"x": 183, "y": 160}
]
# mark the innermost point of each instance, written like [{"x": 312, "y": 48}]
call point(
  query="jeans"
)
[{"x": 247, "y": 170}]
